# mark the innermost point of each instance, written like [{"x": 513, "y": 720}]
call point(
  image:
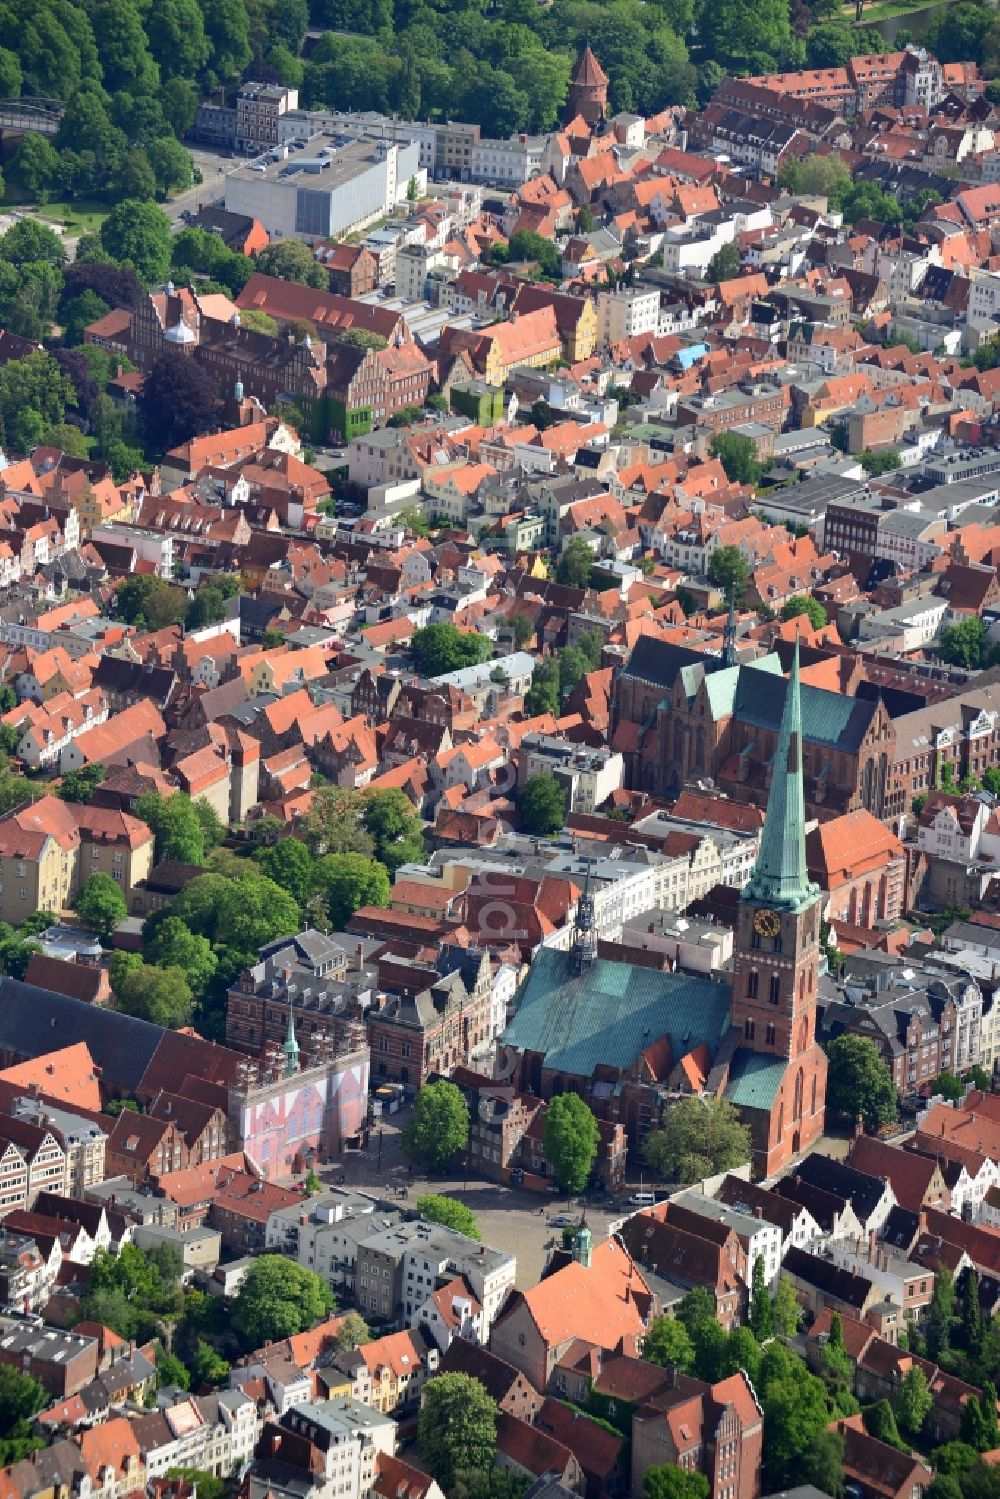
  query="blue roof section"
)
[
  {"x": 609, "y": 1014},
  {"x": 690, "y": 355},
  {"x": 754, "y": 1079}
]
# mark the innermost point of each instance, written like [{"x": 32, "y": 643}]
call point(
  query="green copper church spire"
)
[{"x": 780, "y": 877}]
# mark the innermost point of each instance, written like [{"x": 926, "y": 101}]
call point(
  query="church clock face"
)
[{"x": 767, "y": 923}]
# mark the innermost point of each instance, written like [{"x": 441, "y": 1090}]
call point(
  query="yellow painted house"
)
[{"x": 528, "y": 339}]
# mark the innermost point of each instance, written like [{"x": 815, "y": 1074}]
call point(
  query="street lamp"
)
[{"x": 379, "y": 1167}]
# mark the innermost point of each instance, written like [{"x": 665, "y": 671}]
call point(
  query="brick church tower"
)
[
  {"x": 588, "y": 90},
  {"x": 778, "y": 1074}
]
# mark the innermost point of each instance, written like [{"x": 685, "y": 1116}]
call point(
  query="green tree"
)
[
  {"x": 439, "y": 1128},
  {"x": 543, "y": 696},
  {"x": 950, "y": 1087},
  {"x": 333, "y": 823},
  {"x": 449, "y": 1212},
  {"x": 228, "y": 32},
  {"x": 823, "y": 1464},
  {"x": 524, "y": 630},
  {"x": 352, "y": 1332},
  {"x": 575, "y": 563},
  {"x": 457, "y": 1429},
  {"x": 880, "y": 462},
  {"x": 34, "y": 394},
  {"x": 252, "y": 911},
  {"x": 440, "y": 648},
  {"x": 207, "y": 1366},
  {"x": 724, "y": 264},
  {"x": 912, "y": 1401},
  {"x": 830, "y": 44},
  {"x": 172, "y": 167},
  {"x": 667, "y": 1481},
  {"x": 972, "y": 1312},
  {"x": 803, "y": 603},
  {"x": 349, "y": 881},
  {"x": 729, "y": 570},
  {"x": 880, "y": 1423},
  {"x": 394, "y": 827},
  {"x": 668, "y": 1343},
  {"x": 170, "y": 1371},
  {"x": 859, "y": 1082},
  {"x": 278, "y": 1299},
  {"x": 159, "y": 995},
  {"x": 80, "y": 785},
  {"x": 738, "y": 457},
  {"x": 363, "y": 338},
  {"x": 66, "y": 439},
  {"x": 955, "y": 1458},
  {"x": 699, "y": 1137},
  {"x": 526, "y": 245},
  {"x": 174, "y": 945},
  {"x": 761, "y": 1316},
  {"x": 542, "y": 804},
  {"x": 745, "y": 37},
  {"x": 21, "y": 1398},
  {"x": 292, "y": 260},
  {"x": 941, "y": 1314},
  {"x": 964, "y": 644},
  {"x": 786, "y": 1310},
  {"x": 138, "y": 234},
  {"x": 150, "y": 602},
  {"x": 289, "y": 864},
  {"x": 795, "y": 1413},
  {"x": 570, "y": 1136},
  {"x": 175, "y": 824},
  {"x": 101, "y": 905},
  {"x": 176, "y": 33},
  {"x": 29, "y": 243},
  {"x": 821, "y": 176},
  {"x": 36, "y": 164}
]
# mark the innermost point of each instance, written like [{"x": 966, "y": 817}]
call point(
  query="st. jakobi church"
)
[{"x": 621, "y": 1035}]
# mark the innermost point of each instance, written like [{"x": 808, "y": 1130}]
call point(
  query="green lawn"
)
[{"x": 74, "y": 217}]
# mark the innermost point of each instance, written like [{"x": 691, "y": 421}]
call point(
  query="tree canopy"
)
[
  {"x": 729, "y": 570},
  {"x": 449, "y": 1212},
  {"x": 570, "y": 1136},
  {"x": 442, "y": 647},
  {"x": 699, "y": 1137},
  {"x": 457, "y": 1427},
  {"x": 100, "y": 905},
  {"x": 542, "y": 803},
  {"x": 859, "y": 1082},
  {"x": 277, "y": 1299},
  {"x": 439, "y": 1127}
]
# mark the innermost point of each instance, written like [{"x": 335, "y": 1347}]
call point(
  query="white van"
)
[{"x": 642, "y": 1200}]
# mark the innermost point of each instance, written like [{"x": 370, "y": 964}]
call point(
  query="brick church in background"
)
[{"x": 588, "y": 90}]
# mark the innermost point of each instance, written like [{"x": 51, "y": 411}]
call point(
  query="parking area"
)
[{"x": 508, "y": 1218}]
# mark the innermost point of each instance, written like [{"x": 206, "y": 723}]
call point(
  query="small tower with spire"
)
[
  {"x": 291, "y": 1045},
  {"x": 584, "y": 949},
  {"x": 588, "y": 90},
  {"x": 729, "y": 655},
  {"x": 583, "y": 1244}
]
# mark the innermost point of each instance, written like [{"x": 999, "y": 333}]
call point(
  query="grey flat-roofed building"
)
[{"x": 325, "y": 188}]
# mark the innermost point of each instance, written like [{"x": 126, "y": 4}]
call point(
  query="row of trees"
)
[{"x": 438, "y": 1132}]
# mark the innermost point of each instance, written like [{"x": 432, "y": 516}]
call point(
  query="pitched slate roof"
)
[
  {"x": 33, "y": 1020},
  {"x": 608, "y": 1015}
]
